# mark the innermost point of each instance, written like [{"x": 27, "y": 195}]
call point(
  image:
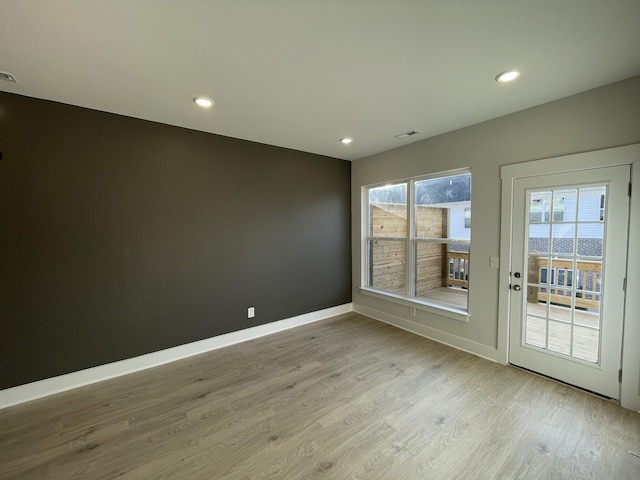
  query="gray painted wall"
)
[
  {"x": 605, "y": 117},
  {"x": 120, "y": 237}
]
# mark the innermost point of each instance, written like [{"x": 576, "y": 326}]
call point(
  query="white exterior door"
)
[{"x": 568, "y": 264}]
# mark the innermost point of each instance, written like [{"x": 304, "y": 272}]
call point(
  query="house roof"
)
[{"x": 303, "y": 74}]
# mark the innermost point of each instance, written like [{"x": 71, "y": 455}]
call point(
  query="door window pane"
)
[
  {"x": 562, "y": 242},
  {"x": 585, "y": 343},
  {"x": 559, "y": 337},
  {"x": 564, "y": 271},
  {"x": 539, "y": 235},
  {"x": 565, "y": 203},
  {"x": 539, "y": 207},
  {"x": 590, "y": 237},
  {"x": 535, "y": 330},
  {"x": 589, "y": 209}
]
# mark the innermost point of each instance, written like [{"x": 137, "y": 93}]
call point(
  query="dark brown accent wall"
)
[{"x": 120, "y": 237}]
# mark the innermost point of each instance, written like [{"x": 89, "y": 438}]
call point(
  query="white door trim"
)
[{"x": 626, "y": 155}]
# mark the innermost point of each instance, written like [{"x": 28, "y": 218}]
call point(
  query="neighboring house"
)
[{"x": 563, "y": 208}]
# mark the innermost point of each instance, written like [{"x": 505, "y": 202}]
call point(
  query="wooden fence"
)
[{"x": 435, "y": 266}]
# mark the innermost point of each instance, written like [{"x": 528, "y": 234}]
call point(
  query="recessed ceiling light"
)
[
  {"x": 508, "y": 76},
  {"x": 346, "y": 140},
  {"x": 203, "y": 102}
]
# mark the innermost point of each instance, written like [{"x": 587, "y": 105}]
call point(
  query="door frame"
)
[{"x": 626, "y": 155}]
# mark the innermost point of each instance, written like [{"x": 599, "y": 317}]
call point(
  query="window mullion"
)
[
  {"x": 410, "y": 252},
  {"x": 366, "y": 273}
]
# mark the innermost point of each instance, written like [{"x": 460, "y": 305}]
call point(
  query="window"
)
[
  {"x": 539, "y": 209},
  {"x": 568, "y": 282},
  {"x": 417, "y": 237},
  {"x": 467, "y": 217}
]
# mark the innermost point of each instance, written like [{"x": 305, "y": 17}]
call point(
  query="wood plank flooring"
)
[{"x": 345, "y": 398}]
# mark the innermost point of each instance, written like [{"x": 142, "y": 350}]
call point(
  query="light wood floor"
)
[{"x": 346, "y": 398}]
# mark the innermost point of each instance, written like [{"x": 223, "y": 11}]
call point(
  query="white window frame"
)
[{"x": 407, "y": 299}]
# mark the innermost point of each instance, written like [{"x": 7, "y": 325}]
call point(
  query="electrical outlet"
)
[
  {"x": 251, "y": 312},
  {"x": 494, "y": 262},
  {"x": 412, "y": 311}
]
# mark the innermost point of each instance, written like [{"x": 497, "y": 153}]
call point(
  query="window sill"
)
[{"x": 418, "y": 304}]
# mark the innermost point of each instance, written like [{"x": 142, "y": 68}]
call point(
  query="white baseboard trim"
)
[
  {"x": 50, "y": 386},
  {"x": 439, "y": 336}
]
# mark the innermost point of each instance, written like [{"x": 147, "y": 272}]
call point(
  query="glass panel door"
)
[
  {"x": 566, "y": 229},
  {"x": 568, "y": 264}
]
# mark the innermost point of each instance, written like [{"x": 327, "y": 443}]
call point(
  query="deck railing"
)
[
  {"x": 458, "y": 269},
  {"x": 559, "y": 280}
]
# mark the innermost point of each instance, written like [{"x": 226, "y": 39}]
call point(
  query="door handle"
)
[{"x": 517, "y": 288}]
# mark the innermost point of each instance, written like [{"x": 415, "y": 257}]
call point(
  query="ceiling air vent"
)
[
  {"x": 406, "y": 134},
  {"x": 8, "y": 77}
]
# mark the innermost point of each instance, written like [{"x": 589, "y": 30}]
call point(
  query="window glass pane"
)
[
  {"x": 535, "y": 329},
  {"x": 563, "y": 238},
  {"x": 431, "y": 222},
  {"x": 444, "y": 190},
  {"x": 586, "y": 343},
  {"x": 560, "y": 308},
  {"x": 443, "y": 207},
  {"x": 589, "y": 206},
  {"x": 539, "y": 238},
  {"x": 590, "y": 239},
  {"x": 565, "y": 205},
  {"x": 442, "y": 276},
  {"x": 589, "y": 275},
  {"x": 546, "y": 205},
  {"x": 388, "y": 211},
  {"x": 559, "y": 337},
  {"x": 430, "y": 258},
  {"x": 539, "y": 207},
  {"x": 558, "y": 209},
  {"x": 387, "y": 261},
  {"x": 459, "y": 247}
]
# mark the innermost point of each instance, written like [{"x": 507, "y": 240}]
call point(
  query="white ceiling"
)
[{"x": 304, "y": 73}]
